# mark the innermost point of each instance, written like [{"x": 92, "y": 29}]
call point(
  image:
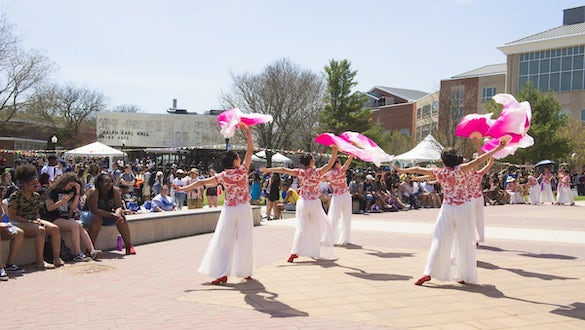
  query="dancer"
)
[
  {"x": 476, "y": 200},
  {"x": 340, "y": 205},
  {"x": 564, "y": 193},
  {"x": 312, "y": 233},
  {"x": 232, "y": 239},
  {"x": 453, "y": 219},
  {"x": 546, "y": 193}
]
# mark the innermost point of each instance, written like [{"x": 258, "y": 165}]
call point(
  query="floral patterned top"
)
[
  {"x": 564, "y": 181},
  {"x": 452, "y": 180},
  {"x": 337, "y": 181},
  {"x": 308, "y": 183},
  {"x": 474, "y": 180},
  {"x": 235, "y": 181}
]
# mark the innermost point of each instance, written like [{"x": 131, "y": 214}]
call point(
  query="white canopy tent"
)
[
  {"x": 95, "y": 149},
  {"x": 276, "y": 157},
  {"x": 428, "y": 150}
]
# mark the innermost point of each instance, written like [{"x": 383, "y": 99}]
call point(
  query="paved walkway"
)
[{"x": 531, "y": 270}]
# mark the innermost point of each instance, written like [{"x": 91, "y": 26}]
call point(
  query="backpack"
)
[{"x": 66, "y": 254}]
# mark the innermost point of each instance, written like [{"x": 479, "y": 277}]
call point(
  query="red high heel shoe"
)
[
  {"x": 423, "y": 279},
  {"x": 131, "y": 250},
  {"x": 292, "y": 257},
  {"x": 220, "y": 280}
]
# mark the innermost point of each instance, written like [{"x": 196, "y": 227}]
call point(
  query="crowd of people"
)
[{"x": 43, "y": 198}]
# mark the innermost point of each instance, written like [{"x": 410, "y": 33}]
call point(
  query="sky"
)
[{"x": 149, "y": 52}]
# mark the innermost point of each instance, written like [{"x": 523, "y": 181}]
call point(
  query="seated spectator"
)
[
  {"x": 494, "y": 195},
  {"x": 104, "y": 208},
  {"x": 513, "y": 191},
  {"x": 290, "y": 198},
  {"x": 16, "y": 237},
  {"x": 23, "y": 212},
  {"x": 62, "y": 200},
  {"x": 162, "y": 201},
  {"x": 429, "y": 197},
  {"x": 409, "y": 192}
]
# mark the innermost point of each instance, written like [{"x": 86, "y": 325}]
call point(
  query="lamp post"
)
[
  {"x": 54, "y": 140},
  {"x": 227, "y": 144},
  {"x": 123, "y": 148}
]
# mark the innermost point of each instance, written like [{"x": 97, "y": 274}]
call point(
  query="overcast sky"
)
[{"x": 147, "y": 52}]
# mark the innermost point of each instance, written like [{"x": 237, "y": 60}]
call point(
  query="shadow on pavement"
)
[
  {"x": 547, "y": 256},
  {"x": 376, "y": 253},
  {"x": 521, "y": 272},
  {"x": 359, "y": 273},
  {"x": 575, "y": 310},
  {"x": 262, "y": 300}
]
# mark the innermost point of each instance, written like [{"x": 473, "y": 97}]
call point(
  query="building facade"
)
[
  {"x": 553, "y": 60},
  {"x": 396, "y": 108}
]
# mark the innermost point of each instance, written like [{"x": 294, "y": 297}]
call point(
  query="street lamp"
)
[
  {"x": 54, "y": 139},
  {"x": 227, "y": 144},
  {"x": 124, "y": 153}
]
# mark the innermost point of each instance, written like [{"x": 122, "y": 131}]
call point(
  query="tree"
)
[
  {"x": 127, "y": 108},
  {"x": 76, "y": 105},
  {"x": 290, "y": 94},
  {"x": 20, "y": 72},
  {"x": 343, "y": 110}
]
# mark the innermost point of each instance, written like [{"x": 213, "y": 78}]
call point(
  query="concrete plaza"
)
[{"x": 531, "y": 273}]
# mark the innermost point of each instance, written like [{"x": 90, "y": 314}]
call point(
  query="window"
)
[
  {"x": 418, "y": 113},
  {"x": 426, "y": 111},
  {"x": 487, "y": 93},
  {"x": 557, "y": 70},
  {"x": 582, "y": 116}
]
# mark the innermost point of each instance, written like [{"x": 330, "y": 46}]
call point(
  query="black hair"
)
[
  {"x": 305, "y": 159},
  {"x": 10, "y": 190},
  {"x": 228, "y": 159},
  {"x": 25, "y": 173},
  {"x": 451, "y": 158}
]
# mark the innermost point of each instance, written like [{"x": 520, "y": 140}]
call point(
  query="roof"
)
[
  {"x": 555, "y": 33},
  {"x": 410, "y": 95},
  {"x": 487, "y": 70}
]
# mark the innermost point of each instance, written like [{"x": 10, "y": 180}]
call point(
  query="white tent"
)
[
  {"x": 428, "y": 150},
  {"x": 276, "y": 157},
  {"x": 95, "y": 149}
]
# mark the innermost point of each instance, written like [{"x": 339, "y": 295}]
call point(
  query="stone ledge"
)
[{"x": 144, "y": 228}]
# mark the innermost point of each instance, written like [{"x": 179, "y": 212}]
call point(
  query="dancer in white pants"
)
[
  {"x": 477, "y": 201},
  {"x": 313, "y": 232},
  {"x": 454, "y": 219},
  {"x": 340, "y": 208},
  {"x": 232, "y": 241},
  {"x": 564, "y": 193}
]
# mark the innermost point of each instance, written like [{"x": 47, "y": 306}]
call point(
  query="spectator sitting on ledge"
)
[{"x": 162, "y": 201}]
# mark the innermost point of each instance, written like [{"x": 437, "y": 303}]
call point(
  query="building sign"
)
[{"x": 159, "y": 130}]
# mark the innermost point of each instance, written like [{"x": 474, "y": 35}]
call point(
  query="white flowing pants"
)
[
  {"x": 454, "y": 229},
  {"x": 313, "y": 231},
  {"x": 340, "y": 216},
  {"x": 232, "y": 243}
]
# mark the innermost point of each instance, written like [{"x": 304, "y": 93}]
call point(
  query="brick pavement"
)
[{"x": 525, "y": 282}]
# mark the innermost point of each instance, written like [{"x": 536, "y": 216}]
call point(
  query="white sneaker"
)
[
  {"x": 3, "y": 275},
  {"x": 96, "y": 254}
]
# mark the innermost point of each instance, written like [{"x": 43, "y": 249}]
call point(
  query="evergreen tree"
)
[{"x": 343, "y": 110}]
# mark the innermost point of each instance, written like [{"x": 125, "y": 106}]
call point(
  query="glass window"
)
[
  {"x": 426, "y": 111},
  {"x": 555, "y": 65},
  {"x": 523, "y": 68},
  {"x": 533, "y": 67},
  {"x": 543, "y": 83},
  {"x": 566, "y": 63},
  {"x": 565, "y": 81},
  {"x": 522, "y": 81},
  {"x": 578, "y": 62},
  {"x": 405, "y": 131},
  {"x": 418, "y": 112},
  {"x": 577, "y": 80},
  {"x": 555, "y": 82},
  {"x": 487, "y": 93},
  {"x": 544, "y": 66},
  {"x": 582, "y": 115}
]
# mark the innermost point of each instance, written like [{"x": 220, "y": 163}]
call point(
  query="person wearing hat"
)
[{"x": 178, "y": 181}]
